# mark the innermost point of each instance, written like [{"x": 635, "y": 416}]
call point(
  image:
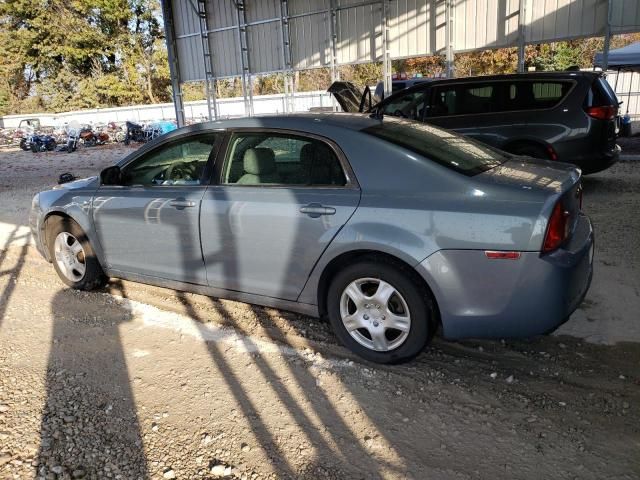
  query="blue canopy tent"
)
[{"x": 625, "y": 58}]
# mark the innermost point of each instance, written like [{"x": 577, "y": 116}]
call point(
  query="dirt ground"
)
[{"x": 142, "y": 382}]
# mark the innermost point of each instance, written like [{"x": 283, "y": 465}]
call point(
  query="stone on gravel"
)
[
  {"x": 218, "y": 470},
  {"x": 169, "y": 474}
]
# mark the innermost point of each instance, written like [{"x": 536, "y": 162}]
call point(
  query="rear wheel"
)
[
  {"x": 73, "y": 257},
  {"x": 379, "y": 311}
]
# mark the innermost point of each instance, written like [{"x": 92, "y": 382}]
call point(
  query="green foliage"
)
[{"x": 71, "y": 54}]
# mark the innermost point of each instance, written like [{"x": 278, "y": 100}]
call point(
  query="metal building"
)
[{"x": 214, "y": 39}]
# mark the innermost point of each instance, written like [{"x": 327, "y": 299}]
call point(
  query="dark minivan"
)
[{"x": 564, "y": 116}]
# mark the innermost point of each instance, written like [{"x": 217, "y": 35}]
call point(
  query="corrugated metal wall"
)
[{"x": 416, "y": 27}]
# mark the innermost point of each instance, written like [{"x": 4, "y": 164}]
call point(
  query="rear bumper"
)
[
  {"x": 482, "y": 298},
  {"x": 597, "y": 162}
]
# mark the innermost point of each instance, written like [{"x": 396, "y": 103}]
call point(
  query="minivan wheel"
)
[
  {"x": 73, "y": 257},
  {"x": 380, "y": 312}
]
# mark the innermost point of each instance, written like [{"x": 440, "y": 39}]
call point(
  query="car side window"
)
[
  {"x": 281, "y": 159},
  {"x": 409, "y": 106},
  {"x": 180, "y": 162},
  {"x": 463, "y": 100}
]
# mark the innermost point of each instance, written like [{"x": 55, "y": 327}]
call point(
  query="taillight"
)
[
  {"x": 606, "y": 112},
  {"x": 556, "y": 229}
]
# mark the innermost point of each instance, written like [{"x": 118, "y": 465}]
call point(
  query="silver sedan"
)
[{"x": 389, "y": 228}]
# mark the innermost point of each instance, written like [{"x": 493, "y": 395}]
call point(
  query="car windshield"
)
[{"x": 442, "y": 146}]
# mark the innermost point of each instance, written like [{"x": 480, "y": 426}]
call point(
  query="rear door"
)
[{"x": 278, "y": 200}]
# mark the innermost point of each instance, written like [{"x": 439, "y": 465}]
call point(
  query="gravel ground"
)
[{"x": 142, "y": 382}]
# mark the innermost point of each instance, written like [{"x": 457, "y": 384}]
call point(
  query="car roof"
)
[{"x": 296, "y": 121}]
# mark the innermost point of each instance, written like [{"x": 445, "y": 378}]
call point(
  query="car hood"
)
[
  {"x": 90, "y": 182},
  {"x": 533, "y": 174}
]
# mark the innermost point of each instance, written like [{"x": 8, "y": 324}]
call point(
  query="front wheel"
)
[
  {"x": 73, "y": 257},
  {"x": 379, "y": 311}
]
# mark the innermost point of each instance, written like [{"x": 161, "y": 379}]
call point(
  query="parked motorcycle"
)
[
  {"x": 25, "y": 142},
  {"x": 42, "y": 143},
  {"x": 135, "y": 133},
  {"x": 72, "y": 140},
  {"x": 91, "y": 139},
  {"x": 117, "y": 132}
]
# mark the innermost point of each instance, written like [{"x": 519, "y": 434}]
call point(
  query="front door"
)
[
  {"x": 148, "y": 225},
  {"x": 279, "y": 200}
]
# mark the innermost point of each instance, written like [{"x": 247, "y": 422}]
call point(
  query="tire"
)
[
  {"x": 410, "y": 304},
  {"x": 23, "y": 145},
  {"x": 61, "y": 231},
  {"x": 529, "y": 150}
]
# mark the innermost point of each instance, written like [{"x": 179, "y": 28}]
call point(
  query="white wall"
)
[{"x": 227, "y": 107}]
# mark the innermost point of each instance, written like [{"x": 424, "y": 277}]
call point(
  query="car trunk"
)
[{"x": 558, "y": 184}]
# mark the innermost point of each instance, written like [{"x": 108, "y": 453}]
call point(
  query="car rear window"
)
[
  {"x": 449, "y": 149},
  {"x": 600, "y": 94}
]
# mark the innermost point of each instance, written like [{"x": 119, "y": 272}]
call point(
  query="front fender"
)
[{"x": 75, "y": 204}]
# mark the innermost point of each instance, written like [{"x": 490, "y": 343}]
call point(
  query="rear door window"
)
[
  {"x": 261, "y": 158},
  {"x": 531, "y": 95},
  {"x": 463, "y": 99}
]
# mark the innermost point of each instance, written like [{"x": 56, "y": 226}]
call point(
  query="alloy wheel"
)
[
  {"x": 70, "y": 256},
  {"x": 375, "y": 314}
]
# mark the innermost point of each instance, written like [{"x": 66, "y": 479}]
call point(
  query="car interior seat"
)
[{"x": 259, "y": 167}]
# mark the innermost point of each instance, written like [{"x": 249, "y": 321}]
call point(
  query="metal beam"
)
[
  {"x": 448, "y": 34},
  {"x": 521, "y": 34},
  {"x": 207, "y": 57},
  {"x": 247, "y": 85},
  {"x": 174, "y": 68},
  {"x": 289, "y": 84},
  {"x": 386, "y": 54},
  {"x": 607, "y": 38}
]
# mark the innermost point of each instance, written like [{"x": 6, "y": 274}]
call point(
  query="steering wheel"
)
[
  {"x": 180, "y": 170},
  {"x": 399, "y": 113}
]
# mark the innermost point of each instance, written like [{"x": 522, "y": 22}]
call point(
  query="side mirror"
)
[{"x": 111, "y": 176}]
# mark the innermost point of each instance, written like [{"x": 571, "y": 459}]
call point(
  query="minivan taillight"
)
[
  {"x": 605, "y": 112},
  {"x": 556, "y": 229}
]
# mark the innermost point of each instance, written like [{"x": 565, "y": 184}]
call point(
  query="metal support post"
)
[
  {"x": 448, "y": 33},
  {"x": 247, "y": 87},
  {"x": 521, "y": 35},
  {"x": 386, "y": 54},
  {"x": 607, "y": 38},
  {"x": 174, "y": 68},
  {"x": 289, "y": 104},
  {"x": 209, "y": 77},
  {"x": 333, "y": 26}
]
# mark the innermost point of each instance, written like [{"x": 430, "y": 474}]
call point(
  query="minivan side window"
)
[
  {"x": 463, "y": 99},
  {"x": 530, "y": 95}
]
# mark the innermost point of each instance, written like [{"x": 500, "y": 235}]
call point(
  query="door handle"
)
[
  {"x": 314, "y": 210},
  {"x": 181, "y": 203}
]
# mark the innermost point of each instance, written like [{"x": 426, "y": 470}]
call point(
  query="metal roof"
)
[{"x": 416, "y": 27}]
